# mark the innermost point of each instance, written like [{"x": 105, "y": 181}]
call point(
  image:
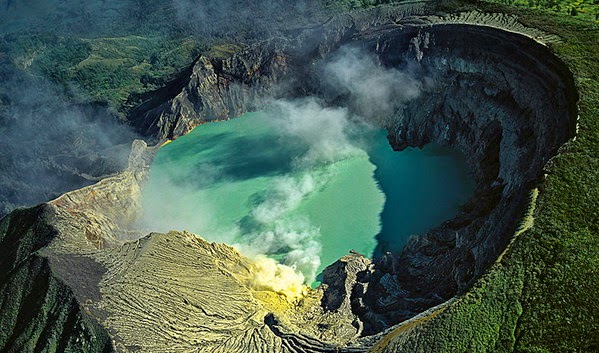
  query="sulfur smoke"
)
[
  {"x": 323, "y": 135},
  {"x": 273, "y": 276}
]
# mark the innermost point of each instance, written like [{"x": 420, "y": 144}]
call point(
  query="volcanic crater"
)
[{"x": 496, "y": 93}]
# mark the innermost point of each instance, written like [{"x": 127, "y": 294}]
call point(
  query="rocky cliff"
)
[{"x": 500, "y": 97}]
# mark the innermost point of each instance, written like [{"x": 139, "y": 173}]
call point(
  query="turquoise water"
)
[
  {"x": 284, "y": 188},
  {"x": 424, "y": 187}
]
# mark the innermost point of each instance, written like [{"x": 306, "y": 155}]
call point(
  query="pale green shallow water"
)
[{"x": 243, "y": 182}]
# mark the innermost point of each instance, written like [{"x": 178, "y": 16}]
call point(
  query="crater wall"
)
[
  {"x": 508, "y": 104},
  {"x": 499, "y": 96}
]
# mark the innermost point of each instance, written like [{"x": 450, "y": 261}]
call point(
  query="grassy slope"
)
[
  {"x": 560, "y": 254},
  {"x": 542, "y": 296},
  {"x": 586, "y": 9},
  {"x": 562, "y": 277},
  {"x": 103, "y": 69}
]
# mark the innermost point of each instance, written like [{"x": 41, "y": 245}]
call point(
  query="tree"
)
[{"x": 573, "y": 12}]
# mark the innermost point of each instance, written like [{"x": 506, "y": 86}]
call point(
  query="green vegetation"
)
[
  {"x": 563, "y": 277},
  {"x": 356, "y": 4},
  {"x": 224, "y": 50},
  {"x": 104, "y": 69},
  {"x": 588, "y": 9},
  {"x": 141, "y": 58}
]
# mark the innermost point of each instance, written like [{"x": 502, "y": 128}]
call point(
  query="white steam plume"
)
[
  {"x": 325, "y": 135},
  {"x": 277, "y": 230},
  {"x": 326, "y": 131},
  {"x": 374, "y": 91}
]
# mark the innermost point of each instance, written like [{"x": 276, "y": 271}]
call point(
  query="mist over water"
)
[
  {"x": 272, "y": 183},
  {"x": 304, "y": 183},
  {"x": 372, "y": 91},
  {"x": 260, "y": 181}
]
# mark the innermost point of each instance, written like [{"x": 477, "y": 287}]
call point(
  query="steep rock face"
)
[
  {"x": 217, "y": 89},
  {"x": 105, "y": 212},
  {"x": 508, "y": 105}
]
